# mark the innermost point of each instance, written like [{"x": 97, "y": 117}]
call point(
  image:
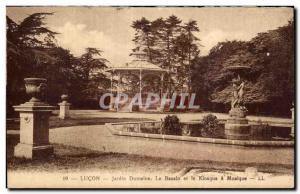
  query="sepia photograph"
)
[{"x": 160, "y": 97}]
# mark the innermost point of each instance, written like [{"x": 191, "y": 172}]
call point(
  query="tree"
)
[
  {"x": 168, "y": 44},
  {"x": 171, "y": 30},
  {"x": 187, "y": 49},
  {"x": 26, "y": 42},
  {"x": 32, "y": 52},
  {"x": 90, "y": 76},
  {"x": 143, "y": 39},
  {"x": 270, "y": 81},
  {"x": 208, "y": 73}
]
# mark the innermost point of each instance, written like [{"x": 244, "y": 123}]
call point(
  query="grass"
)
[{"x": 55, "y": 122}]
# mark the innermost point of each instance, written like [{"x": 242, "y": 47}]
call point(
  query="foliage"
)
[
  {"x": 90, "y": 71},
  {"x": 27, "y": 46},
  {"x": 167, "y": 42},
  {"x": 210, "y": 125},
  {"x": 270, "y": 81},
  {"x": 32, "y": 52},
  {"x": 171, "y": 125}
]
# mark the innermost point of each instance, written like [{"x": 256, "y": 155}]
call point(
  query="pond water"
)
[{"x": 257, "y": 132}]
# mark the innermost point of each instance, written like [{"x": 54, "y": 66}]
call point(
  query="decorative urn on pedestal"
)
[
  {"x": 64, "y": 107},
  {"x": 236, "y": 126},
  {"x": 35, "y": 88},
  {"x": 34, "y": 122}
]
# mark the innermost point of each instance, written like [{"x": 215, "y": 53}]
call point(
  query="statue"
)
[
  {"x": 236, "y": 126},
  {"x": 237, "y": 94}
]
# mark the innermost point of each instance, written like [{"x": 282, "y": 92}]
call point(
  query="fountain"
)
[{"x": 236, "y": 126}]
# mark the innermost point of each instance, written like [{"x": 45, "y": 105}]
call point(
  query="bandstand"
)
[{"x": 136, "y": 77}]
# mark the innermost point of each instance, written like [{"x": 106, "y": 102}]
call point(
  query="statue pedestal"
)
[
  {"x": 34, "y": 130},
  {"x": 236, "y": 126},
  {"x": 64, "y": 110}
]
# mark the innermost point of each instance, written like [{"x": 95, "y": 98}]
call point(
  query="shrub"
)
[
  {"x": 171, "y": 125},
  {"x": 210, "y": 125}
]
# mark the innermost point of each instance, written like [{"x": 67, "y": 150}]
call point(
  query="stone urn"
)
[
  {"x": 64, "y": 97},
  {"x": 35, "y": 88}
]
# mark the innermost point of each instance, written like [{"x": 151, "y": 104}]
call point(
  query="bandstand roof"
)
[{"x": 137, "y": 66}]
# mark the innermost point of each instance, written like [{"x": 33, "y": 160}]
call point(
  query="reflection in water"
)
[{"x": 258, "y": 132}]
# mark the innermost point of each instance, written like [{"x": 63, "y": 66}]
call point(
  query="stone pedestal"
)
[
  {"x": 34, "y": 130},
  {"x": 64, "y": 110},
  {"x": 236, "y": 126}
]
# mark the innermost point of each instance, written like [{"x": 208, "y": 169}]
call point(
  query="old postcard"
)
[{"x": 150, "y": 97}]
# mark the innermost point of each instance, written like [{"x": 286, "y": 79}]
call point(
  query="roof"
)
[{"x": 137, "y": 66}]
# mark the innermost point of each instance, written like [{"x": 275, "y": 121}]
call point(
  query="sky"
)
[{"x": 109, "y": 28}]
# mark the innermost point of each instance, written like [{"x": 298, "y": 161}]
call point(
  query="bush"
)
[
  {"x": 171, "y": 125},
  {"x": 210, "y": 125}
]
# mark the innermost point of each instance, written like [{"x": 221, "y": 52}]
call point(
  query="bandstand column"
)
[
  {"x": 111, "y": 103},
  {"x": 111, "y": 82},
  {"x": 161, "y": 109},
  {"x": 161, "y": 85},
  {"x": 118, "y": 89},
  {"x": 141, "y": 84}
]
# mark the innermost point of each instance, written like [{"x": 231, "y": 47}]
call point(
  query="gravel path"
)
[{"x": 98, "y": 137}]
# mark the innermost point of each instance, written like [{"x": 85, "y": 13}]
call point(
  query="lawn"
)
[{"x": 55, "y": 122}]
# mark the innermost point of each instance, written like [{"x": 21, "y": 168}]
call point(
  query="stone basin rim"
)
[{"x": 245, "y": 143}]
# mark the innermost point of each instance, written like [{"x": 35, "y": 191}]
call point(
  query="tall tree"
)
[
  {"x": 168, "y": 44},
  {"x": 187, "y": 45},
  {"x": 171, "y": 30},
  {"x": 32, "y": 52},
  {"x": 270, "y": 81},
  {"x": 26, "y": 44},
  {"x": 143, "y": 39},
  {"x": 90, "y": 71}
]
